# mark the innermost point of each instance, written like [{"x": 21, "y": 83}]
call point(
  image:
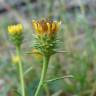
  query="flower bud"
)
[
  {"x": 16, "y": 34},
  {"x": 45, "y": 32}
]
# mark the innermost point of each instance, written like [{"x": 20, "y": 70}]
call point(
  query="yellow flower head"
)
[
  {"x": 15, "y": 59},
  {"x": 48, "y": 27},
  {"x": 16, "y": 34},
  {"x": 45, "y": 40},
  {"x": 13, "y": 29}
]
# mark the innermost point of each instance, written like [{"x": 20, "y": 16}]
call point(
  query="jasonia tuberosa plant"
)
[
  {"x": 44, "y": 44},
  {"x": 45, "y": 41},
  {"x": 15, "y": 33}
]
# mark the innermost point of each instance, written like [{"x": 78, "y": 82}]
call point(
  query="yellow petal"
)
[
  {"x": 35, "y": 26},
  {"x": 20, "y": 27},
  {"x": 40, "y": 28},
  {"x": 16, "y": 28},
  {"x": 57, "y": 25},
  {"x": 53, "y": 26},
  {"x": 10, "y": 29},
  {"x": 49, "y": 27},
  {"x": 34, "y": 23}
]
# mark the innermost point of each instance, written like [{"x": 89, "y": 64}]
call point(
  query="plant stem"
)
[
  {"x": 20, "y": 71},
  {"x": 43, "y": 74}
]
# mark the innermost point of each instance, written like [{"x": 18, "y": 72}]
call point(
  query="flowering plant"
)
[{"x": 45, "y": 42}]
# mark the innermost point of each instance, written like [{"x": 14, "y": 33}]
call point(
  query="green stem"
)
[
  {"x": 43, "y": 74},
  {"x": 20, "y": 72}
]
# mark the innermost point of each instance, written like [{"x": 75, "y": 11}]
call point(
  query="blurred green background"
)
[{"x": 77, "y": 35}]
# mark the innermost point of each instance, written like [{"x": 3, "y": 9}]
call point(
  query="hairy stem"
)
[
  {"x": 43, "y": 74},
  {"x": 20, "y": 72}
]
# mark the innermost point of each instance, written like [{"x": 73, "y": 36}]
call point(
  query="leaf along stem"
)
[{"x": 52, "y": 80}]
